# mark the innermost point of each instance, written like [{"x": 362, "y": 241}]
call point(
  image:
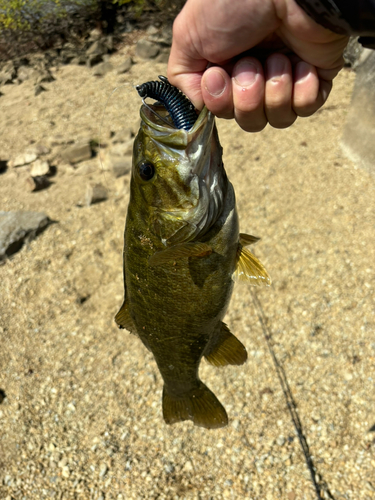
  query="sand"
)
[{"x": 82, "y": 414}]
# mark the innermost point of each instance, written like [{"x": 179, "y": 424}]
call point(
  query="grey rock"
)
[
  {"x": 359, "y": 134},
  {"x": 38, "y": 90},
  {"x": 123, "y": 135},
  {"x": 16, "y": 228},
  {"x": 102, "y": 68},
  {"x": 79, "y": 60},
  {"x": 6, "y": 78},
  {"x": 97, "y": 47},
  {"x": 78, "y": 152},
  {"x": 95, "y": 193},
  {"x": 94, "y": 59},
  {"x": 24, "y": 73},
  {"x": 163, "y": 56},
  {"x": 125, "y": 66},
  {"x": 146, "y": 49},
  {"x": 152, "y": 30},
  {"x": 109, "y": 43},
  {"x": 43, "y": 76},
  {"x": 67, "y": 56},
  {"x": 121, "y": 166}
]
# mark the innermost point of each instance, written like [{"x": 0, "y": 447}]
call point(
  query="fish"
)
[{"x": 183, "y": 252}]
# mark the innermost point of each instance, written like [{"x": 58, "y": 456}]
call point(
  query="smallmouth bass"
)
[{"x": 182, "y": 253}]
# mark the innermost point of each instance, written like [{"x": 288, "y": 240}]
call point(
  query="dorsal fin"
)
[{"x": 247, "y": 239}]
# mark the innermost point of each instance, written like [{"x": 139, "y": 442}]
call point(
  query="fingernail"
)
[
  {"x": 214, "y": 83},
  {"x": 245, "y": 73},
  {"x": 302, "y": 71},
  {"x": 276, "y": 69}
]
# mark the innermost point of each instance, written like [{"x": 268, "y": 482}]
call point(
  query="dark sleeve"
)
[{"x": 355, "y": 17}]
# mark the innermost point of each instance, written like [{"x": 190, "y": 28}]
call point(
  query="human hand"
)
[{"x": 297, "y": 59}]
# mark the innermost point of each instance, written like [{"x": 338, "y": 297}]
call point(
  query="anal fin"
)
[
  {"x": 124, "y": 320},
  {"x": 199, "y": 405},
  {"x": 225, "y": 349}
]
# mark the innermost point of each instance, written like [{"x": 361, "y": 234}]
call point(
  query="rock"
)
[
  {"x": 79, "y": 60},
  {"x": 16, "y": 228},
  {"x": 38, "y": 183},
  {"x": 24, "y": 73},
  {"x": 24, "y": 159},
  {"x": 146, "y": 49},
  {"x": 102, "y": 69},
  {"x": 97, "y": 47},
  {"x": 95, "y": 193},
  {"x": 6, "y": 78},
  {"x": 38, "y": 90},
  {"x": 78, "y": 152},
  {"x": 163, "y": 56},
  {"x": 122, "y": 149},
  {"x": 125, "y": 66},
  {"x": 152, "y": 30},
  {"x": 121, "y": 166},
  {"x": 39, "y": 168},
  {"x": 109, "y": 43},
  {"x": 123, "y": 135},
  {"x": 94, "y": 59},
  {"x": 43, "y": 76},
  {"x": 39, "y": 149},
  {"x": 359, "y": 133},
  {"x": 67, "y": 56}
]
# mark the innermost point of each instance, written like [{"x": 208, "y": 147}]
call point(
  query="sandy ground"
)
[{"x": 82, "y": 414}]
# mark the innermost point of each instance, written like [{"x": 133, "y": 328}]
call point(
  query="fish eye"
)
[{"x": 146, "y": 170}]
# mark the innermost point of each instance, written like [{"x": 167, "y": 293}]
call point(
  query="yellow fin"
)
[
  {"x": 226, "y": 349},
  {"x": 180, "y": 251},
  {"x": 124, "y": 320},
  {"x": 199, "y": 405},
  {"x": 247, "y": 239},
  {"x": 249, "y": 269}
]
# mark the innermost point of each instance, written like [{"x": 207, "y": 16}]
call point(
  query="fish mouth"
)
[
  {"x": 196, "y": 155},
  {"x": 195, "y": 145}
]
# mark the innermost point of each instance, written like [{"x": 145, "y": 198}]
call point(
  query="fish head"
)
[{"x": 178, "y": 175}]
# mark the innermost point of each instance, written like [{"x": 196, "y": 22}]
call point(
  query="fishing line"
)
[{"x": 321, "y": 487}]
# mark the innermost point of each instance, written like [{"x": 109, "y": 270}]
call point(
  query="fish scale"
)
[{"x": 182, "y": 253}]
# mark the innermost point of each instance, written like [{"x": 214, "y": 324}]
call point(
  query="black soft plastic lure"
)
[{"x": 179, "y": 107}]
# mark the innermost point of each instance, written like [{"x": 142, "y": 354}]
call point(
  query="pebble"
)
[
  {"x": 280, "y": 441},
  {"x": 146, "y": 49},
  {"x": 95, "y": 193},
  {"x": 103, "y": 470},
  {"x": 38, "y": 183},
  {"x": 23, "y": 159},
  {"x": 78, "y": 152},
  {"x": 125, "y": 66},
  {"x": 39, "y": 167}
]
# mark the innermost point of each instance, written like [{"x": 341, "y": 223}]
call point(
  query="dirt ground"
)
[{"x": 82, "y": 414}]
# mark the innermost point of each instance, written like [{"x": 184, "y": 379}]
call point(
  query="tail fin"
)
[{"x": 200, "y": 405}]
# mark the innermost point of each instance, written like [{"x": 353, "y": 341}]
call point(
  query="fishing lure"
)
[{"x": 179, "y": 107}]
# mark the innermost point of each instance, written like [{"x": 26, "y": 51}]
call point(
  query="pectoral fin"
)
[
  {"x": 124, "y": 320},
  {"x": 249, "y": 269},
  {"x": 180, "y": 251},
  {"x": 225, "y": 349}
]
